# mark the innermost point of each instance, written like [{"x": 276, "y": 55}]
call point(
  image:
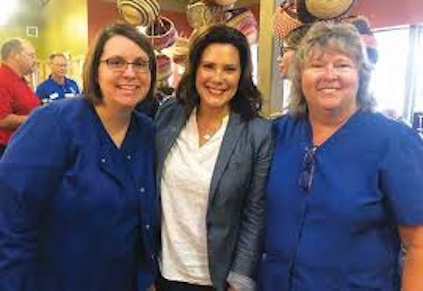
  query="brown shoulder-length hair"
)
[
  {"x": 247, "y": 100},
  {"x": 91, "y": 88}
]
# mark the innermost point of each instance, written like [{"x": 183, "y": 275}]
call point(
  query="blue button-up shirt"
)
[
  {"x": 341, "y": 233},
  {"x": 76, "y": 212}
]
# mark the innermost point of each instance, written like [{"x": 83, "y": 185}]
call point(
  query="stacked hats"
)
[
  {"x": 243, "y": 20},
  {"x": 362, "y": 25},
  {"x": 138, "y": 12}
]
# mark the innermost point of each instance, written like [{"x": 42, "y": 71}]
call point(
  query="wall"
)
[
  {"x": 383, "y": 13},
  {"x": 66, "y": 28}
]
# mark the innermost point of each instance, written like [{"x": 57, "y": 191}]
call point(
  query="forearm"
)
[
  {"x": 12, "y": 121},
  {"x": 412, "y": 275}
]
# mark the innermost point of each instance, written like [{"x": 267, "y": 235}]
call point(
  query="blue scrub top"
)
[
  {"x": 76, "y": 212},
  {"x": 49, "y": 90},
  {"x": 342, "y": 234}
]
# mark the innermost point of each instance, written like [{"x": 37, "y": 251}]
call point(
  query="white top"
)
[{"x": 185, "y": 187}]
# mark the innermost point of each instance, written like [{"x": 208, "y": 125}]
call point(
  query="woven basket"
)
[
  {"x": 244, "y": 20},
  {"x": 161, "y": 33},
  {"x": 328, "y": 9},
  {"x": 200, "y": 14},
  {"x": 284, "y": 21},
  {"x": 138, "y": 12}
]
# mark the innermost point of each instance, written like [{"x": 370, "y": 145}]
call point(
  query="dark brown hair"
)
[
  {"x": 91, "y": 87},
  {"x": 247, "y": 100}
]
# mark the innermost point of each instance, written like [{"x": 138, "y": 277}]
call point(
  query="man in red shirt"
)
[{"x": 16, "y": 98}]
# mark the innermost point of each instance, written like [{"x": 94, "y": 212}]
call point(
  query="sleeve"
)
[
  {"x": 40, "y": 92},
  {"x": 402, "y": 177},
  {"x": 5, "y": 103},
  {"x": 30, "y": 172},
  {"x": 250, "y": 242}
]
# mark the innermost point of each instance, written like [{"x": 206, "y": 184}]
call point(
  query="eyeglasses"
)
[
  {"x": 307, "y": 171},
  {"x": 285, "y": 49},
  {"x": 118, "y": 64}
]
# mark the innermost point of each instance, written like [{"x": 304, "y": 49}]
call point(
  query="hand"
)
[{"x": 230, "y": 288}]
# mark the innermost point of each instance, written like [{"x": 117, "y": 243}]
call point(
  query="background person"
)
[
  {"x": 345, "y": 183},
  {"x": 57, "y": 86},
  {"x": 17, "y": 99},
  {"x": 77, "y": 203},
  {"x": 213, "y": 154}
]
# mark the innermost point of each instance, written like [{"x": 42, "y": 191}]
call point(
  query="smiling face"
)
[
  {"x": 123, "y": 88},
  {"x": 217, "y": 76},
  {"x": 330, "y": 82}
]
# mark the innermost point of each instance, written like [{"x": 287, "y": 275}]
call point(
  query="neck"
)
[
  {"x": 325, "y": 125},
  {"x": 14, "y": 67},
  {"x": 212, "y": 114},
  {"x": 116, "y": 122},
  {"x": 58, "y": 79}
]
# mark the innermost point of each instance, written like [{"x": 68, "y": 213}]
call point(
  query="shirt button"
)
[
  {"x": 103, "y": 160},
  {"x": 142, "y": 189},
  {"x": 147, "y": 226},
  {"x": 128, "y": 157}
]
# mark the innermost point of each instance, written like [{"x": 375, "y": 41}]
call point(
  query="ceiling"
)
[{"x": 180, "y": 5}]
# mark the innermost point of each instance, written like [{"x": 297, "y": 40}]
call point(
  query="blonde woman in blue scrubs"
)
[{"x": 345, "y": 185}]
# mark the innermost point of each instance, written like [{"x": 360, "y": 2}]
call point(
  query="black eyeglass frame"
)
[{"x": 308, "y": 166}]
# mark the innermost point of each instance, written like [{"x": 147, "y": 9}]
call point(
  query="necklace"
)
[{"x": 207, "y": 133}]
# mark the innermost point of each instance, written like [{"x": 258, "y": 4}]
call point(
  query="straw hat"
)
[
  {"x": 161, "y": 33},
  {"x": 138, "y": 12},
  {"x": 362, "y": 24},
  {"x": 327, "y": 9},
  {"x": 285, "y": 19},
  {"x": 201, "y": 14},
  {"x": 243, "y": 20}
]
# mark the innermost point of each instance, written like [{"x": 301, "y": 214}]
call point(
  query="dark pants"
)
[{"x": 166, "y": 285}]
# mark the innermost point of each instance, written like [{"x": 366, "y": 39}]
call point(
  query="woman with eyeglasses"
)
[
  {"x": 213, "y": 156},
  {"x": 77, "y": 183},
  {"x": 345, "y": 185}
]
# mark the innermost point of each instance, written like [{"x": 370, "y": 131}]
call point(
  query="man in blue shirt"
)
[{"x": 57, "y": 86}]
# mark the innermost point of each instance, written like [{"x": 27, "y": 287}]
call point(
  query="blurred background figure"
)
[
  {"x": 57, "y": 86},
  {"x": 78, "y": 209},
  {"x": 17, "y": 99}
]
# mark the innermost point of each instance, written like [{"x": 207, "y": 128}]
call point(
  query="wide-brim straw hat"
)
[
  {"x": 285, "y": 19},
  {"x": 161, "y": 33},
  {"x": 200, "y": 14},
  {"x": 243, "y": 20},
  {"x": 362, "y": 24},
  {"x": 138, "y": 12},
  {"x": 327, "y": 9}
]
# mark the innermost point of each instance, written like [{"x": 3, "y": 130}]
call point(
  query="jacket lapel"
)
[
  {"x": 166, "y": 138},
  {"x": 230, "y": 139}
]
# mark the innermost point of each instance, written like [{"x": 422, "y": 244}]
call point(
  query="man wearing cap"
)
[
  {"x": 16, "y": 97},
  {"x": 57, "y": 86}
]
